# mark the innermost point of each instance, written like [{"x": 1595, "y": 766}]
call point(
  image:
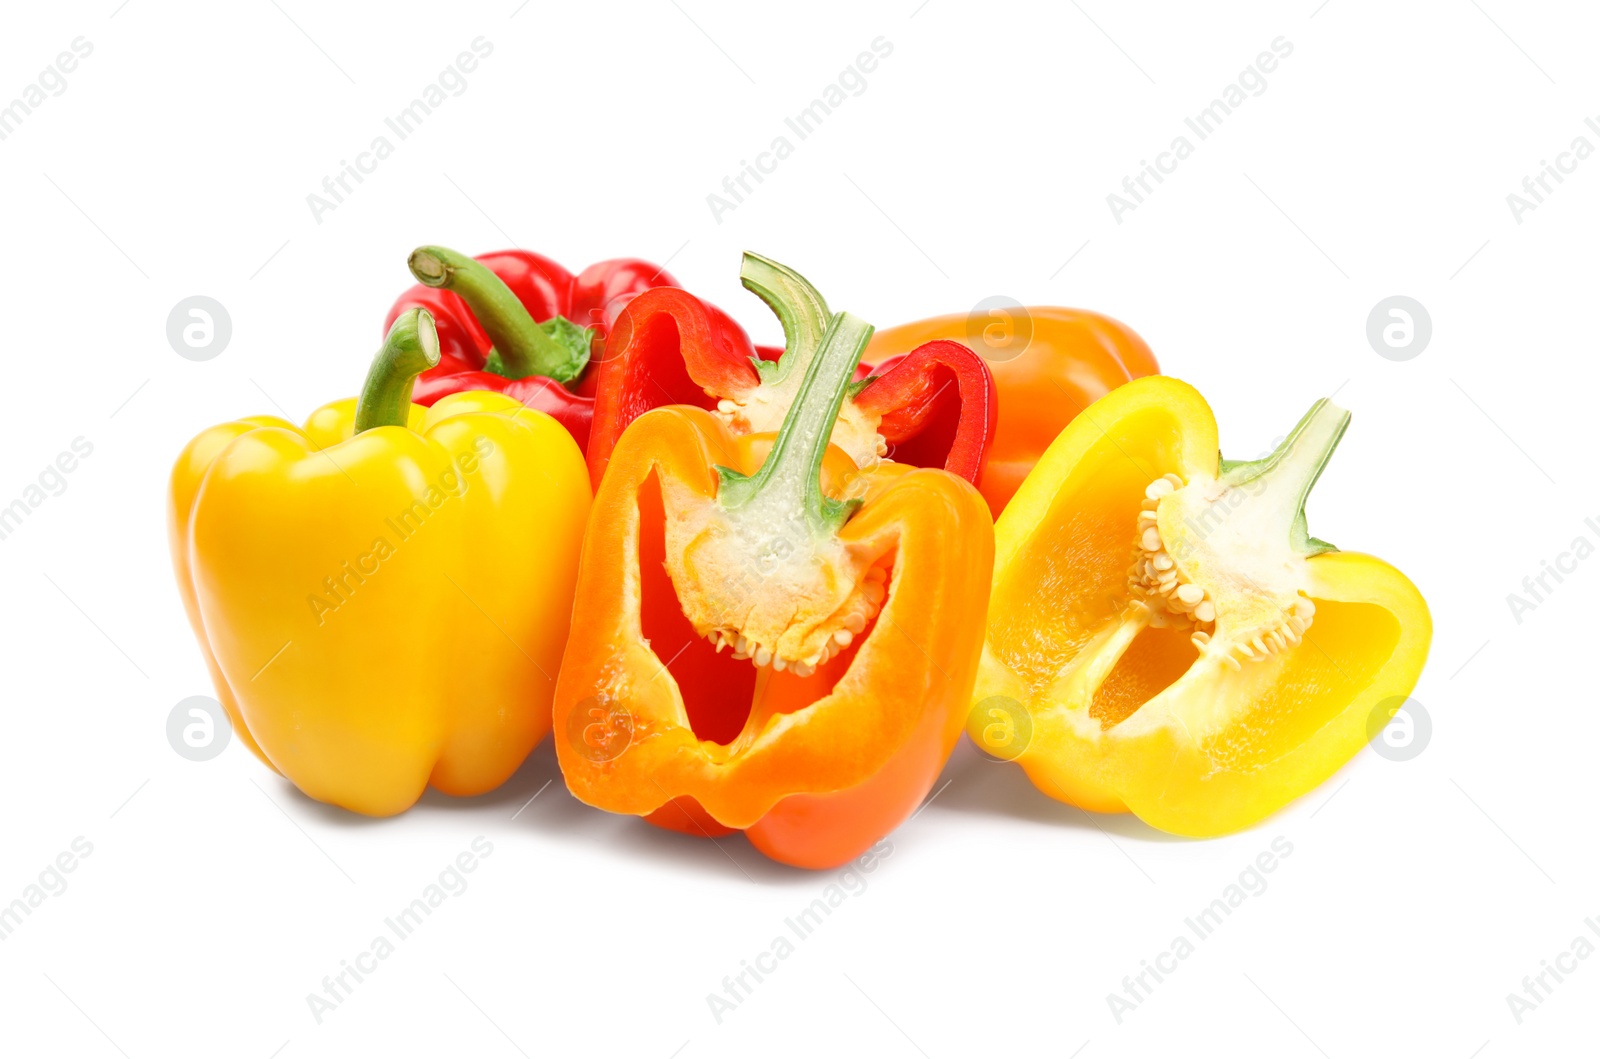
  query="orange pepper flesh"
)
[
  {"x": 1072, "y": 358},
  {"x": 653, "y": 720}
]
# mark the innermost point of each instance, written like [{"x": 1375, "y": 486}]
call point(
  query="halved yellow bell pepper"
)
[
  {"x": 1164, "y": 636},
  {"x": 384, "y": 606}
]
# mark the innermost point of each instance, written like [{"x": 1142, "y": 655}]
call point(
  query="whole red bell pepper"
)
[
  {"x": 932, "y": 406},
  {"x": 518, "y": 323}
]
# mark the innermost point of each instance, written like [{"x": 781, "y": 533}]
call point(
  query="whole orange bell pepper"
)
[
  {"x": 773, "y": 639},
  {"x": 1048, "y": 363}
]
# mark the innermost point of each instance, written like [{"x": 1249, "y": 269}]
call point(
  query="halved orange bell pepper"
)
[
  {"x": 767, "y": 637},
  {"x": 1165, "y": 637},
  {"x": 1048, "y": 363}
]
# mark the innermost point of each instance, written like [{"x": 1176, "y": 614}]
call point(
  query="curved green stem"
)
[
  {"x": 410, "y": 348},
  {"x": 791, "y": 476},
  {"x": 524, "y": 346},
  {"x": 799, "y": 307},
  {"x": 1283, "y": 479}
]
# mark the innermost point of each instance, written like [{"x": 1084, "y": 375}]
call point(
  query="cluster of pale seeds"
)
[
  {"x": 1286, "y": 635},
  {"x": 1155, "y": 578},
  {"x": 729, "y": 407},
  {"x": 734, "y": 415},
  {"x": 852, "y": 619}
]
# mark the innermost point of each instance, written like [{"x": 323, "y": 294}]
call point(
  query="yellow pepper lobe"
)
[
  {"x": 1181, "y": 646},
  {"x": 1223, "y": 556},
  {"x": 373, "y": 612}
]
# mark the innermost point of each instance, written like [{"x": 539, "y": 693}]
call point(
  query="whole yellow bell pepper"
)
[
  {"x": 383, "y": 596},
  {"x": 1164, "y": 635}
]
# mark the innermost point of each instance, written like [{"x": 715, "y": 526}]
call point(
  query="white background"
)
[{"x": 976, "y": 162}]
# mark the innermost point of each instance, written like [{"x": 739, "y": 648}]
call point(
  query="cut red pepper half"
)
[
  {"x": 932, "y": 407},
  {"x": 518, "y": 323}
]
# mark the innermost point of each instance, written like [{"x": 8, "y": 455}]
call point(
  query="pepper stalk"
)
[
  {"x": 788, "y": 485},
  {"x": 798, "y": 305},
  {"x": 761, "y": 566},
  {"x": 410, "y": 348},
  {"x": 556, "y": 348}
]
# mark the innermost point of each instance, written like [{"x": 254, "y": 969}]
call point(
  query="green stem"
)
[
  {"x": 799, "y": 307},
  {"x": 1284, "y": 478},
  {"x": 410, "y": 348},
  {"x": 790, "y": 479},
  {"x": 524, "y": 347}
]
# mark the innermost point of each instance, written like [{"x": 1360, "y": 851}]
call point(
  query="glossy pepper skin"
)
[
  {"x": 548, "y": 367},
  {"x": 933, "y": 405},
  {"x": 1049, "y": 363},
  {"x": 1164, "y": 635},
  {"x": 382, "y": 606},
  {"x": 772, "y": 640}
]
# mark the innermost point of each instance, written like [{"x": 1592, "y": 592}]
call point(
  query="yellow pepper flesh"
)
[
  {"x": 384, "y": 611},
  {"x": 1111, "y": 711}
]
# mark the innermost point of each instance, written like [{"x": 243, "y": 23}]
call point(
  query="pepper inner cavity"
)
[
  {"x": 1167, "y": 592},
  {"x": 1171, "y": 596}
]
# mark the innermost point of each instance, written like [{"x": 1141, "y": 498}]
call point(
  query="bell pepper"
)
[
  {"x": 383, "y": 595},
  {"x": 517, "y": 323},
  {"x": 774, "y": 640},
  {"x": 1165, "y": 636},
  {"x": 1049, "y": 364},
  {"x": 932, "y": 406}
]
